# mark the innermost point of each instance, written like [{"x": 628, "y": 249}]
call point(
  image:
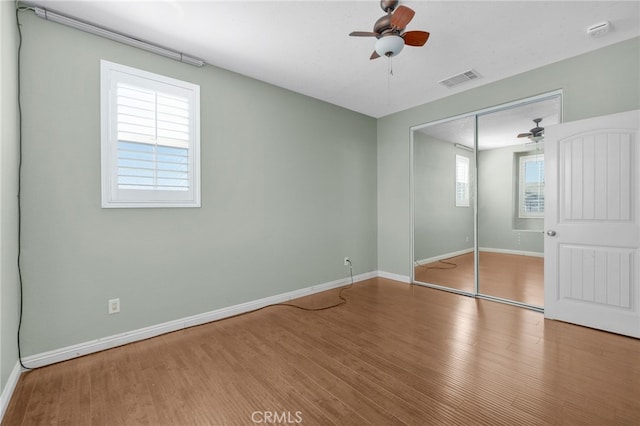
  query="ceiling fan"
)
[
  {"x": 389, "y": 30},
  {"x": 535, "y": 134}
]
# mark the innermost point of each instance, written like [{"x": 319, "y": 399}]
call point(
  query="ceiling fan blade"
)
[
  {"x": 401, "y": 17},
  {"x": 363, "y": 34},
  {"x": 374, "y": 55},
  {"x": 525, "y": 135},
  {"x": 415, "y": 38}
]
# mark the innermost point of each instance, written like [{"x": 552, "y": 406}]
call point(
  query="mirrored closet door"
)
[
  {"x": 443, "y": 204},
  {"x": 478, "y": 201},
  {"x": 511, "y": 201}
]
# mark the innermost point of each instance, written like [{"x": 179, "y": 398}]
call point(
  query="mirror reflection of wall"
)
[
  {"x": 511, "y": 202},
  {"x": 444, "y": 175},
  {"x": 504, "y": 226}
]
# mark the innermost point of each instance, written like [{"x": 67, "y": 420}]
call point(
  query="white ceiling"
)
[
  {"x": 304, "y": 45},
  {"x": 497, "y": 128}
]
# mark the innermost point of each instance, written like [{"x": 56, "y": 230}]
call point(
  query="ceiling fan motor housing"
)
[
  {"x": 382, "y": 25},
  {"x": 538, "y": 130},
  {"x": 388, "y": 5}
]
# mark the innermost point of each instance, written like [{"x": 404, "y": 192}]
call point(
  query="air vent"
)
[{"x": 463, "y": 77}]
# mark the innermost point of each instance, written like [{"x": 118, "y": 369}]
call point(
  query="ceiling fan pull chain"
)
[
  {"x": 389, "y": 74},
  {"x": 389, "y": 94}
]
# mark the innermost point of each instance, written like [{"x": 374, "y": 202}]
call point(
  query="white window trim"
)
[
  {"x": 114, "y": 197},
  {"x": 464, "y": 161},
  {"x": 521, "y": 187}
]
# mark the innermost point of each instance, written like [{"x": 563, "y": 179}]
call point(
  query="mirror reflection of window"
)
[
  {"x": 462, "y": 181},
  {"x": 531, "y": 186}
]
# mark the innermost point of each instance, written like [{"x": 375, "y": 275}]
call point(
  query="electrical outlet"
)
[
  {"x": 347, "y": 261},
  {"x": 114, "y": 306}
]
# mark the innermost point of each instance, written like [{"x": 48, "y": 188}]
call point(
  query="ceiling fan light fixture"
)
[{"x": 389, "y": 45}]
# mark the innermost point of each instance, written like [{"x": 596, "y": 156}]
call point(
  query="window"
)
[
  {"x": 462, "y": 181},
  {"x": 531, "y": 186},
  {"x": 150, "y": 139}
]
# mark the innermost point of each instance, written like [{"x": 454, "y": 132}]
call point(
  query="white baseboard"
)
[
  {"x": 81, "y": 349},
  {"x": 395, "y": 277},
  {"x": 516, "y": 252},
  {"x": 8, "y": 389},
  {"x": 445, "y": 256},
  {"x": 485, "y": 249}
]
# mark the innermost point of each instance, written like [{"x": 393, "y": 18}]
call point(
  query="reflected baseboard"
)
[
  {"x": 507, "y": 251},
  {"x": 482, "y": 249},
  {"x": 444, "y": 256}
]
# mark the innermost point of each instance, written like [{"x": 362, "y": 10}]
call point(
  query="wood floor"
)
[
  {"x": 393, "y": 354},
  {"x": 508, "y": 276}
]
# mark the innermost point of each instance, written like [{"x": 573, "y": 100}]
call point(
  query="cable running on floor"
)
[
  {"x": 450, "y": 265},
  {"x": 342, "y": 299}
]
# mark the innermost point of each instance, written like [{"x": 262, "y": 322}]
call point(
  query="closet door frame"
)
[{"x": 485, "y": 111}]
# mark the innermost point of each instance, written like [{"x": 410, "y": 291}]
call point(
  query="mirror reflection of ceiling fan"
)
[
  {"x": 536, "y": 134},
  {"x": 389, "y": 30}
]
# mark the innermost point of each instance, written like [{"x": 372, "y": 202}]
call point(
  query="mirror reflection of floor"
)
[
  {"x": 454, "y": 272},
  {"x": 508, "y": 276}
]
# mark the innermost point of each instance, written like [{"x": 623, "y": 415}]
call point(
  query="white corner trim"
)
[
  {"x": 395, "y": 277},
  {"x": 9, "y": 387},
  {"x": 507, "y": 251},
  {"x": 81, "y": 349}
]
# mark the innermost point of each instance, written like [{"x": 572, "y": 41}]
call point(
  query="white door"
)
[{"x": 592, "y": 239}]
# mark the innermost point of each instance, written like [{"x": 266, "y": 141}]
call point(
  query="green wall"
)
[
  {"x": 439, "y": 226},
  {"x": 288, "y": 190},
  {"x": 498, "y": 224},
  {"x": 8, "y": 190},
  {"x": 601, "y": 82}
]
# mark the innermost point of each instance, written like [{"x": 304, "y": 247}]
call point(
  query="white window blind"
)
[
  {"x": 153, "y": 140},
  {"x": 531, "y": 186},
  {"x": 150, "y": 139},
  {"x": 462, "y": 181}
]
